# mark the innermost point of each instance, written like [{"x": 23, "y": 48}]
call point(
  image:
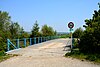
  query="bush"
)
[
  {"x": 83, "y": 56},
  {"x": 89, "y": 43},
  {"x": 2, "y": 53},
  {"x": 64, "y": 36},
  {"x": 90, "y": 40}
]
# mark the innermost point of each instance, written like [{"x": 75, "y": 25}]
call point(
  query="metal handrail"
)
[{"x": 17, "y": 41}]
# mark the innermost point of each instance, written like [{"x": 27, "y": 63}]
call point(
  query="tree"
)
[
  {"x": 78, "y": 33},
  {"x": 47, "y": 31},
  {"x": 25, "y": 35},
  {"x": 8, "y": 29},
  {"x": 4, "y": 19},
  {"x": 55, "y": 32},
  {"x": 4, "y": 29},
  {"x": 90, "y": 41},
  {"x": 15, "y": 30},
  {"x": 35, "y": 30}
]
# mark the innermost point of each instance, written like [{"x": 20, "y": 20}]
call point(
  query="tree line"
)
[
  {"x": 45, "y": 31},
  {"x": 12, "y": 30}
]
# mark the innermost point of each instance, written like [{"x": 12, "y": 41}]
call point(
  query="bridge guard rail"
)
[{"x": 21, "y": 43}]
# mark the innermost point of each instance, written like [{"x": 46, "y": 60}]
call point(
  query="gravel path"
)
[{"x": 47, "y": 54}]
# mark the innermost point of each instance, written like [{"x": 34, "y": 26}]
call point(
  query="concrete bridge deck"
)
[{"x": 46, "y": 54}]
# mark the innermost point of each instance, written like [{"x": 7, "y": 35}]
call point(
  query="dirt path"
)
[{"x": 47, "y": 54}]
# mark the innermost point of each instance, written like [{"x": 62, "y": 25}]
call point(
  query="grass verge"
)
[
  {"x": 4, "y": 56},
  {"x": 90, "y": 57}
]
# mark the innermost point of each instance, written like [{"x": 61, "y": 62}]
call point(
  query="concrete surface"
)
[{"x": 46, "y": 54}]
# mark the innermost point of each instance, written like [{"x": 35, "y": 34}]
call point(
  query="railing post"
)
[
  {"x": 25, "y": 42},
  {"x": 8, "y": 44},
  {"x": 34, "y": 40},
  {"x": 48, "y": 37},
  {"x": 41, "y": 39},
  {"x": 51, "y": 37},
  {"x": 30, "y": 41},
  {"x": 18, "y": 43},
  {"x": 44, "y": 38},
  {"x": 38, "y": 39}
]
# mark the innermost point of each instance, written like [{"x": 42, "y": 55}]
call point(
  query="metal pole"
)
[
  {"x": 18, "y": 43},
  {"x": 71, "y": 41},
  {"x": 38, "y": 39},
  {"x": 30, "y": 41},
  {"x": 25, "y": 42},
  {"x": 71, "y": 38},
  {"x": 34, "y": 40},
  {"x": 41, "y": 39}
]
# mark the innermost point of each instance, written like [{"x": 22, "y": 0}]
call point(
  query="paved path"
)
[{"x": 47, "y": 54}]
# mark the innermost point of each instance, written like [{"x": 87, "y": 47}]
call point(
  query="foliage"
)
[
  {"x": 64, "y": 36},
  {"x": 55, "y": 32},
  {"x": 47, "y": 31},
  {"x": 84, "y": 56},
  {"x": 4, "y": 28},
  {"x": 4, "y": 56},
  {"x": 25, "y": 35},
  {"x": 15, "y": 30},
  {"x": 90, "y": 41},
  {"x": 75, "y": 43},
  {"x": 76, "y": 54},
  {"x": 78, "y": 33},
  {"x": 35, "y": 30},
  {"x": 8, "y": 29}
]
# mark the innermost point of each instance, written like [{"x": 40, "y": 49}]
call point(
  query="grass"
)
[
  {"x": 90, "y": 57},
  {"x": 64, "y": 36},
  {"x": 4, "y": 56}
]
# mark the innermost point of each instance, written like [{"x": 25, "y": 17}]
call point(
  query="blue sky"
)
[{"x": 54, "y": 13}]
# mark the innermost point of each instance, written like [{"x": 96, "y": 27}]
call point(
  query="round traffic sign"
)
[{"x": 70, "y": 24}]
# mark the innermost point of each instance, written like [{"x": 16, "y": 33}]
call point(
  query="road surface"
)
[{"x": 46, "y": 54}]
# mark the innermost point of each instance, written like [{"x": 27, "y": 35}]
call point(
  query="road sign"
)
[
  {"x": 70, "y": 24},
  {"x": 70, "y": 29}
]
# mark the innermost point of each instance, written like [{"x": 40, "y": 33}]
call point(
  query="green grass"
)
[
  {"x": 90, "y": 57},
  {"x": 4, "y": 56},
  {"x": 64, "y": 36}
]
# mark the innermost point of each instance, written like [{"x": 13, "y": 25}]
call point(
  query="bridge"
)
[{"x": 46, "y": 54}]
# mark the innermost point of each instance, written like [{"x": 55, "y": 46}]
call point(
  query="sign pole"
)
[
  {"x": 71, "y": 25},
  {"x": 71, "y": 38}
]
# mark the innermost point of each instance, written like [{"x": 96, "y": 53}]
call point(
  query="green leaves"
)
[
  {"x": 47, "y": 31},
  {"x": 78, "y": 33},
  {"x": 90, "y": 40},
  {"x": 35, "y": 30},
  {"x": 8, "y": 29}
]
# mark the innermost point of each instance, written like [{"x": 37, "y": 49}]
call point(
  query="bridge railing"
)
[{"x": 21, "y": 43}]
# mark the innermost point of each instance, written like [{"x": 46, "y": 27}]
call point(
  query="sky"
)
[{"x": 54, "y": 13}]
